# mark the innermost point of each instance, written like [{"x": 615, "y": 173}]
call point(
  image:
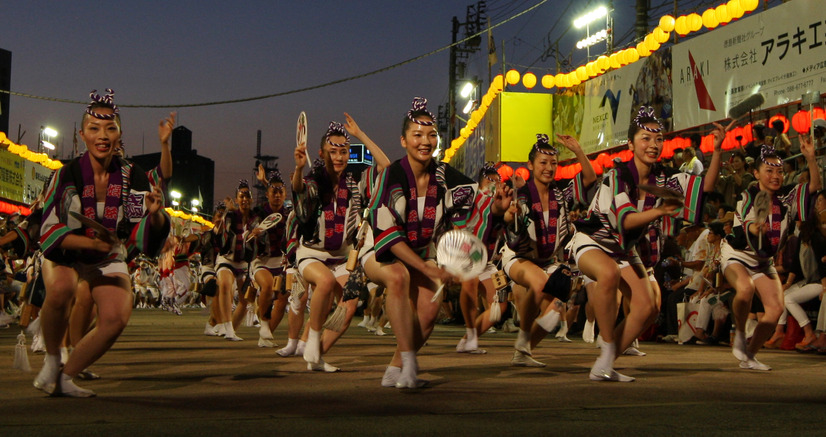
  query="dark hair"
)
[
  {"x": 416, "y": 115},
  {"x": 716, "y": 228},
  {"x": 739, "y": 154},
  {"x": 759, "y": 131},
  {"x": 696, "y": 140},
  {"x": 778, "y": 125}
]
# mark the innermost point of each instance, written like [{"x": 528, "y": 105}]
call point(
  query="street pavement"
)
[{"x": 164, "y": 377}]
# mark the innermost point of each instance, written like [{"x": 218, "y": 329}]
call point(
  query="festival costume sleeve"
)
[
  {"x": 143, "y": 238},
  {"x": 617, "y": 205},
  {"x": 385, "y": 219},
  {"x": 576, "y": 191},
  {"x": 482, "y": 222},
  {"x": 518, "y": 229},
  {"x": 798, "y": 200},
  {"x": 53, "y": 230},
  {"x": 743, "y": 218},
  {"x": 459, "y": 198},
  {"x": 292, "y": 237},
  {"x": 692, "y": 189},
  {"x": 306, "y": 201}
]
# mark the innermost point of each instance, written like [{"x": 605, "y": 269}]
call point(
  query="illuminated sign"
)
[{"x": 360, "y": 155}]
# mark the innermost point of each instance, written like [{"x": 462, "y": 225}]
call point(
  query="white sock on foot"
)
[
  {"x": 312, "y": 350},
  {"x": 523, "y": 342},
  {"x": 548, "y": 321}
]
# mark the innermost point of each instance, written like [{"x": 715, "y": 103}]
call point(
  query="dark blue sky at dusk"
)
[{"x": 181, "y": 52}]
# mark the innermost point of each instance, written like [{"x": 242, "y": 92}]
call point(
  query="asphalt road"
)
[{"x": 164, "y": 377}]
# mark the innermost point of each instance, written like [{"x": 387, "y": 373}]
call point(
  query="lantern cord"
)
[{"x": 295, "y": 91}]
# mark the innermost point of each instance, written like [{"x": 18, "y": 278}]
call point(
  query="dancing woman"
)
[
  {"x": 416, "y": 199},
  {"x": 536, "y": 239},
  {"x": 232, "y": 262},
  {"x": 269, "y": 258},
  {"x": 328, "y": 207},
  {"x": 620, "y": 213},
  {"x": 747, "y": 255},
  {"x": 115, "y": 194}
]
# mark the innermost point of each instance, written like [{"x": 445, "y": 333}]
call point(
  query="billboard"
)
[{"x": 779, "y": 53}]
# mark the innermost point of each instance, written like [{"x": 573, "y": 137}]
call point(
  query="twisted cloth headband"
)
[
  {"x": 420, "y": 104},
  {"x": 767, "y": 152},
  {"x": 105, "y": 100},
  {"x": 542, "y": 141},
  {"x": 488, "y": 168},
  {"x": 274, "y": 177},
  {"x": 336, "y": 128},
  {"x": 647, "y": 112}
]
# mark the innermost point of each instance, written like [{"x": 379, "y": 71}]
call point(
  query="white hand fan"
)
[
  {"x": 762, "y": 205},
  {"x": 301, "y": 130},
  {"x": 461, "y": 254},
  {"x": 270, "y": 221}
]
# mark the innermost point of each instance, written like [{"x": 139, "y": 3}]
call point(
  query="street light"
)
[
  {"x": 590, "y": 17},
  {"x": 604, "y": 34},
  {"x": 46, "y": 132},
  {"x": 467, "y": 89},
  {"x": 175, "y": 194},
  {"x": 195, "y": 202}
]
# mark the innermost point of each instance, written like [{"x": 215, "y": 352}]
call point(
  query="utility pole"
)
[
  {"x": 641, "y": 25},
  {"x": 459, "y": 53}
]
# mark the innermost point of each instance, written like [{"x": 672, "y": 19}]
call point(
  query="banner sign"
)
[
  {"x": 609, "y": 101},
  {"x": 780, "y": 53},
  {"x": 12, "y": 169}
]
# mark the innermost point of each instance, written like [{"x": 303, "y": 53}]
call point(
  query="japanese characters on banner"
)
[
  {"x": 20, "y": 180},
  {"x": 12, "y": 169},
  {"x": 35, "y": 177},
  {"x": 780, "y": 52}
]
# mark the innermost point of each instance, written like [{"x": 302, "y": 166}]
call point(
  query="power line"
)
[{"x": 295, "y": 91}]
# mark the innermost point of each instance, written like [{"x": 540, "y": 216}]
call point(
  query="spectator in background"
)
[
  {"x": 691, "y": 164},
  {"x": 735, "y": 178},
  {"x": 781, "y": 140}
]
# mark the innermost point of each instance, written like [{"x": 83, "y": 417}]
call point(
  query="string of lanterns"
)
[
  {"x": 683, "y": 25},
  {"x": 24, "y": 152},
  {"x": 184, "y": 216}
]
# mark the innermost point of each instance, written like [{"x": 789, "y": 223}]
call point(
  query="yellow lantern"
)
[
  {"x": 512, "y": 77},
  {"x": 497, "y": 83},
  {"x": 633, "y": 56},
  {"x": 614, "y": 60},
  {"x": 734, "y": 8},
  {"x": 667, "y": 23},
  {"x": 603, "y": 63},
  {"x": 548, "y": 81},
  {"x": 722, "y": 14},
  {"x": 559, "y": 80},
  {"x": 660, "y": 35},
  {"x": 681, "y": 26},
  {"x": 695, "y": 22},
  {"x": 710, "y": 19},
  {"x": 476, "y": 117},
  {"x": 582, "y": 72},
  {"x": 590, "y": 70},
  {"x": 487, "y": 100},
  {"x": 529, "y": 80},
  {"x": 464, "y": 132},
  {"x": 471, "y": 125},
  {"x": 749, "y": 5},
  {"x": 642, "y": 50},
  {"x": 652, "y": 45}
]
